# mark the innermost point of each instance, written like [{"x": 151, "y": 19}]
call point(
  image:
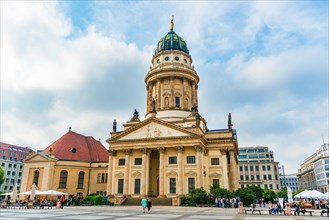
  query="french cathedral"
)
[{"x": 171, "y": 151}]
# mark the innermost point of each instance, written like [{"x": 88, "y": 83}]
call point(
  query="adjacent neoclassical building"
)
[{"x": 171, "y": 151}]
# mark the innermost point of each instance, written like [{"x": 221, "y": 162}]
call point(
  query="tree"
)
[
  {"x": 197, "y": 196},
  {"x": 269, "y": 195},
  {"x": 2, "y": 176},
  {"x": 221, "y": 192},
  {"x": 257, "y": 190},
  {"x": 283, "y": 193},
  {"x": 247, "y": 196}
]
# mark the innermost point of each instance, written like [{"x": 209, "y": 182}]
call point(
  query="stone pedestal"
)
[
  {"x": 241, "y": 209},
  {"x": 288, "y": 209}
]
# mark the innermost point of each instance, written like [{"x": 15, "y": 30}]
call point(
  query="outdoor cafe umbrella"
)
[
  {"x": 37, "y": 192},
  {"x": 6, "y": 194},
  {"x": 316, "y": 194},
  {"x": 52, "y": 192},
  {"x": 303, "y": 195}
]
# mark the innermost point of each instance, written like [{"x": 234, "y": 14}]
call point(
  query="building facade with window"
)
[
  {"x": 314, "y": 171},
  {"x": 12, "y": 157},
  {"x": 75, "y": 164},
  {"x": 289, "y": 180},
  {"x": 257, "y": 167},
  {"x": 171, "y": 151}
]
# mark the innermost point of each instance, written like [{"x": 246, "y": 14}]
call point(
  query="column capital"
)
[
  {"x": 198, "y": 148},
  {"x": 127, "y": 151},
  {"x": 144, "y": 150},
  {"x": 180, "y": 149},
  {"x": 223, "y": 151},
  {"x": 112, "y": 152},
  {"x": 205, "y": 152},
  {"x": 161, "y": 150}
]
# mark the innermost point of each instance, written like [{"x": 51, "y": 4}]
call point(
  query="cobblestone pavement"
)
[{"x": 135, "y": 212}]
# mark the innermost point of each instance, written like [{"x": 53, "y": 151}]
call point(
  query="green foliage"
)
[
  {"x": 269, "y": 195},
  {"x": 282, "y": 193},
  {"x": 247, "y": 196},
  {"x": 257, "y": 190},
  {"x": 88, "y": 198},
  {"x": 197, "y": 196},
  {"x": 97, "y": 200},
  {"x": 220, "y": 192},
  {"x": 296, "y": 192},
  {"x": 2, "y": 176}
]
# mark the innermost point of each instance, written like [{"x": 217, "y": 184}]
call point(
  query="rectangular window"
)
[
  {"x": 252, "y": 177},
  {"x": 8, "y": 173},
  {"x": 256, "y": 168},
  {"x": 276, "y": 177},
  {"x": 172, "y": 184},
  {"x": 245, "y": 168},
  {"x": 265, "y": 185},
  {"x": 214, "y": 161},
  {"x": 190, "y": 159},
  {"x": 3, "y": 164},
  {"x": 81, "y": 177},
  {"x": 241, "y": 177},
  {"x": 247, "y": 177},
  {"x": 257, "y": 177},
  {"x": 264, "y": 167},
  {"x": 120, "y": 185},
  {"x": 274, "y": 167},
  {"x": 269, "y": 177},
  {"x": 137, "y": 186},
  {"x": 251, "y": 168},
  {"x": 9, "y": 165},
  {"x": 138, "y": 161},
  {"x": 271, "y": 186},
  {"x": 172, "y": 160},
  {"x": 177, "y": 102},
  {"x": 14, "y": 166},
  {"x": 268, "y": 167},
  {"x": 215, "y": 182},
  {"x": 277, "y": 186},
  {"x": 264, "y": 177},
  {"x": 240, "y": 168},
  {"x": 122, "y": 162},
  {"x": 191, "y": 184}
]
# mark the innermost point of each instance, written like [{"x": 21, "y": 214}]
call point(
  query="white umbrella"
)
[
  {"x": 37, "y": 192},
  {"x": 304, "y": 194},
  {"x": 316, "y": 194},
  {"x": 14, "y": 193},
  {"x": 34, "y": 188},
  {"x": 6, "y": 194},
  {"x": 53, "y": 192},
  {"x": 325, "y": 196}
]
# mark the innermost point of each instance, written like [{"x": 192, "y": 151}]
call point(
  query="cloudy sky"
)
[{"x": 82, "y": 64}]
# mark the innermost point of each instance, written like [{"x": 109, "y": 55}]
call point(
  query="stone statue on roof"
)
[
  {"x": 172, "y": 23},
  {"x": 115, "y": 126},
  {"x": 135, "y": 116},
  {"x": 154, "y": 106}
]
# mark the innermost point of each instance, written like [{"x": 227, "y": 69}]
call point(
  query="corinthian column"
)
[
  {"x": 225, "y": 169},
  {"x": 180, "y": 175},
  {"x": 126, "y": 174},
  {"x": 161, "y": 172},
  {"x": 199, "y": 166},
  {"x": 144, "y": 171},
  {"x": 110, "y": 173},
  {"x": 233, "y": 171}
]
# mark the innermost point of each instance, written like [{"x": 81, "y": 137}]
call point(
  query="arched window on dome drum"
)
[
  {"x": 177, "y": 102},
  {"x": 36, "y": 177},
  {"x": 63, "y": 179},
  {"x": 81, "y": 179}
]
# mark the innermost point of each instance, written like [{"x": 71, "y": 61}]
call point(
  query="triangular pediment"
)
[
  {"x": 38, "y": 157},
  {"x": 152, "y": 128}
]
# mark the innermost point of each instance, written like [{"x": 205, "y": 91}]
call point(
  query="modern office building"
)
[
  {"x": 314, "y": 171},
  {"x": 257, "y": 167},
  {"x": 289, "y": 180},
  {"x": 171, "y": 151},
  {"x": 12, "y": 157}
]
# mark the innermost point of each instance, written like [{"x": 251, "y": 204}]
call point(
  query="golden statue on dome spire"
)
[{"x": 172, "y": 24}]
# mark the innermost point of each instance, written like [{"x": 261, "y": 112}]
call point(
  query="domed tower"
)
[{"x": 171, "y": 82}]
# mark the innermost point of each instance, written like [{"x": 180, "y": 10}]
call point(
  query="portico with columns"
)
[{"x": 171, "y": 151}]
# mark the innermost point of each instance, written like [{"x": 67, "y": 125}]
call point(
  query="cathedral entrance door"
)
[{"x": 154, "y": 174}]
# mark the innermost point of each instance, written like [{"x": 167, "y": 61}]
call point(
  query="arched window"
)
[
  {"x": 36, "y": 177},
  {"x": 80, "y": 179},
  {"x": 63, "y": 179}
]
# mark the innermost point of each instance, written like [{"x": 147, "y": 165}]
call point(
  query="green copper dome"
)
[{"x": 171, "y": 42}]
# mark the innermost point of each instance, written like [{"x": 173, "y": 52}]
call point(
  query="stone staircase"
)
[{"x": 155, "y": 201}]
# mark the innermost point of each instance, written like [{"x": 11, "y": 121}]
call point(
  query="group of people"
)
[
  {"x": 275, "y": 209},
  {"x": 226, "y": 202},
  {"x": 146, "y": 203}
]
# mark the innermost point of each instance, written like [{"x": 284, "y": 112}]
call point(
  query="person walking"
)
[
  {"x": 62, "y": 201},
  {"x": 144, "y": 204},
  {"x": 149, "y": 204}
]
